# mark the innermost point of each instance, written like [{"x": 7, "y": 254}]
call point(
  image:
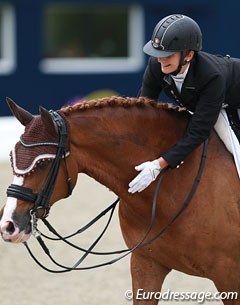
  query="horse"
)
[{"x": 105, "y": 139}]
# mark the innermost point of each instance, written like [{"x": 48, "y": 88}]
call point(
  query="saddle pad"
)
[{"x": 227, "y": 135}]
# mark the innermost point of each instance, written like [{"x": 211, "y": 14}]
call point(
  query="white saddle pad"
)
[{"x": 228, "y": 137}]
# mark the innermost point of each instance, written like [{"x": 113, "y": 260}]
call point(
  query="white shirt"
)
[{"x": 179, "y": 78}]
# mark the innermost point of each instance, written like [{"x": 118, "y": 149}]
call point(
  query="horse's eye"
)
[{"x": 43, "y": 165}]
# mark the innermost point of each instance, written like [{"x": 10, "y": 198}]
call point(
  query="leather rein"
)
[{"x": 41, "y": 208}]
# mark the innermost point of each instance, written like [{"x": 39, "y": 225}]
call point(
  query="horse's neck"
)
[{"x": 108, "y": 144}]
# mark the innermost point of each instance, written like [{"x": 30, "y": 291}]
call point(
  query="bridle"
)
[
  {"x": 41, "y": 199},
  {"x": 41, "y": 206}
]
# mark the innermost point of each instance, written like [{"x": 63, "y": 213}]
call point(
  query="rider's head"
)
[{"x": 173, "y": 34}]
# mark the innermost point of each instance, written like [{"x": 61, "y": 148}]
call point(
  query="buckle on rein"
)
[
  {"x": 34, "y": 218},
  {"x": 35, "y": 232}
]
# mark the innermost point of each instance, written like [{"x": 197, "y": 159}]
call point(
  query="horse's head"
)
[{"x": 37, "y": 159}]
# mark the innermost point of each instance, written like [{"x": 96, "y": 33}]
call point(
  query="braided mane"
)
[{"x": 125, "y": 102}]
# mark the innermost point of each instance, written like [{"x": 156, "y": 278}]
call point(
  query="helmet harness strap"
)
[{"x": 182, "y": 62}]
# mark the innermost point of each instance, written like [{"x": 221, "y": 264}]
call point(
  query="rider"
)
[{"x": 199, "y": 81}]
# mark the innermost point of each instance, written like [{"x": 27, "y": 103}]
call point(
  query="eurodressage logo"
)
[{"x": 199, "y": 297}]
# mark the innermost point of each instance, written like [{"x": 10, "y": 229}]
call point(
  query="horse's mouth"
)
[{"x": 21, "y": 237}]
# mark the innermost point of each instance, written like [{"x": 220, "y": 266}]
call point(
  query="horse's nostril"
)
[{"x": 9, "y": 227}]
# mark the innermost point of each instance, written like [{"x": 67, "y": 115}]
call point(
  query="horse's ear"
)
[
  {"x": 23, "y": 116},
  {"x": 48, "y": 121}
]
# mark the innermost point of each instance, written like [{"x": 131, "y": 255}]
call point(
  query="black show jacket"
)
[{"x": 211, "y": 81}]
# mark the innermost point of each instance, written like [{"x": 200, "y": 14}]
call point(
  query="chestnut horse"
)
[{"x": 106, "y": 138}]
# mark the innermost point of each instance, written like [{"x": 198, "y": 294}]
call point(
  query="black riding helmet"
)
[{"x": 174, "y": 33}]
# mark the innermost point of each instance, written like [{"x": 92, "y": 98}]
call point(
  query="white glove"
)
[{"x": 149, "y": 172}]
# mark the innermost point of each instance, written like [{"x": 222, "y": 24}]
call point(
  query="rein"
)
[{"x": 111, "y": 209}]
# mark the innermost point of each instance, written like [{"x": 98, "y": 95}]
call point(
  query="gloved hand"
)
[{"x": 148, "y": 173}]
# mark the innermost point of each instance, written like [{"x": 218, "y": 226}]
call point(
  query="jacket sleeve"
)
[
  {"x": 151, "y": 83},
  {"x": 208, "y": 105}
]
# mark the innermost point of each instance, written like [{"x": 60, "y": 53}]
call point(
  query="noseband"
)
[{"x": 41, "y": 199}]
